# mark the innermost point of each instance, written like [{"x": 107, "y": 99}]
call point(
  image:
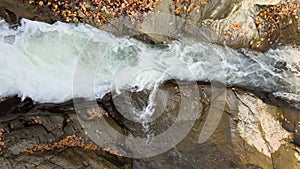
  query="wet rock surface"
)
[
  {"x": 28, "y": 129},
  {"x": 250, "y": 134},
  {"x": 10, "y": 17}
]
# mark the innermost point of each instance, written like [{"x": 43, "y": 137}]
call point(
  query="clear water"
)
[{"x": 40, "y": 60}]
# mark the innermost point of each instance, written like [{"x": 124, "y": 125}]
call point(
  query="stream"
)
[{"x": 45, "y": 58}]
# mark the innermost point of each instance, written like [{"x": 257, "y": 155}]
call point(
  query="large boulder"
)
[{"x": 247, "y": 132}]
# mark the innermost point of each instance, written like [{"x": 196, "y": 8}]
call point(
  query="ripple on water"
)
[{"x": 39, "y": 60}]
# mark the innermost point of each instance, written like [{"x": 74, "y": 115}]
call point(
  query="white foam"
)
[{"x": 39, "y": 60}]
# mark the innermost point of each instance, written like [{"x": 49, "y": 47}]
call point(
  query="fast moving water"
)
[{"x": 39, "y": 60}]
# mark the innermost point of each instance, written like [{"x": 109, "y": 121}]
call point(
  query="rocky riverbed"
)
[
  {"x": 250, "y": 134},
  {"x": 233, "y": 103}
]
